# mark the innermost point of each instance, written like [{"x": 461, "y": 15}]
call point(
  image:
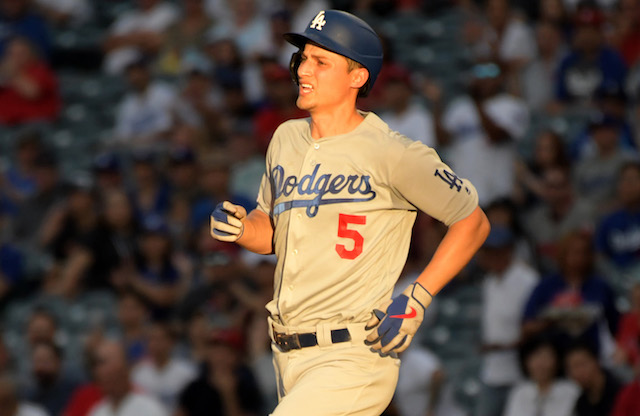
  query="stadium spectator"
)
[
  {"x": 593, "y": 175},
  {"x": 88, "y": 394},
  {"x": 481, "y": 129},
  {"x": 162, "y": 374},
  {"x": 279, "y": 104},
  {"x": 420, "y": 383},
  {"x": 105, "y": 251},
  {"x": 183, "y": 173},
  {"x": 215, "y": 171},
  {"x": 617, "y": 233},
  {"x": 226, "y": 386},
  {"x": 508, "y": 36},
  {"x": 197, "y": 338},
  {"x": 133, "y": 317},
  {"x": 185, "y": 38},
  {"x": 544, "y": 392},
  {"x": 139, "y": 30},
  {"x": 403, "y": 113},
  {"x": 50, "y": 192},
  {"x": 107, "y": 168},
  {"x": 560, "y": 212},
  {"x": 626, "y": 33},
  {"x": 248, "y": 28},
  {"x": 42, "y": 327},
  {"x": 49, "y": 385},
  {"x": 145, "y": 114},
  {"x": 248, "y": 163},
  {"x": 548, "y": 152},
  {"x": 599, "y": 387},
  {"x": 10, "y": 403},
  {"x": 628, "y": 400},
  {"x": 628, "y": 336},
  {"x": 66, "y": 227},
  {"x": 281, "y": 50},
  {"x": 12, "y": 268},
  {"x": 154, "y": 274},
  {"x": 200, "y": 99},
  {"x": 113, "y": 377},
  {"x": 150, "y": 194},
  {"x": 575, "y": 302},
  {"x": 65, "y": 13},
  {"x": 537, "y": 78},
  {"x": 611, "y": 101},
  {"x": 29, "y": 88},
  {"x": 507, "y": 284},
  {"x": 18, "y": 181},
  {"x": 590, "y": 64},
  {"x": 19, "y": 19},
  {"x": 555, "y": 13}
]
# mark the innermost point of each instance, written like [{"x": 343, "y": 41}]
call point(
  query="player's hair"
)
[{"x": 351, "y": 64}]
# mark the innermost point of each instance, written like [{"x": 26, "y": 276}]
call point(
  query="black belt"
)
[{"x": 288, "y": 342}]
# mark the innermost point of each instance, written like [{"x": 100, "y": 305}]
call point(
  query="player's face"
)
[{"x": 324, "y": 80}]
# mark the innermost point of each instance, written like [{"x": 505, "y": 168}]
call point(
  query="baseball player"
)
[{"x": 337, "y": 203}]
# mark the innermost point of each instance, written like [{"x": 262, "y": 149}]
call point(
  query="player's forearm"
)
[
  {"x": 458, "y": 246},
  {"x": 258, "y": 233}
]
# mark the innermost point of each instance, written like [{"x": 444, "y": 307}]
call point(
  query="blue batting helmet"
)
[{"x": 344, "y": 34}]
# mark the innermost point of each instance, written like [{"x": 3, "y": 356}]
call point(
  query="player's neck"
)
[{"x": 335, "y": 122}]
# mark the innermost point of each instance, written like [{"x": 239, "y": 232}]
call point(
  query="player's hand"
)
[
  {"x": 227, "y": 222},
  {"x": 397, "y": 321}
]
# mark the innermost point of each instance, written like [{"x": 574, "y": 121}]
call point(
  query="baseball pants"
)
[{"x": 328, "y": 379}]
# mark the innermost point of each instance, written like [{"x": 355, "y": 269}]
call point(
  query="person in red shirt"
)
[
  {"x": 628, "y": 347},
  {"x": 28, "y": 87}
]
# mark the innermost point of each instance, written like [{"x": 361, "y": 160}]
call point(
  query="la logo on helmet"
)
[{"x": 318, "y": 21}]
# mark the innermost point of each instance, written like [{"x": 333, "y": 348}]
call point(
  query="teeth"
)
[{"x": 306, "y": 86}]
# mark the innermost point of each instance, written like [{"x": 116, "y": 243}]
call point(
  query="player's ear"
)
[{"x": 359, "y": 77}]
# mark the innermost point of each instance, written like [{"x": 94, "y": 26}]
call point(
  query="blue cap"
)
[{"x": 499, "y": 237}]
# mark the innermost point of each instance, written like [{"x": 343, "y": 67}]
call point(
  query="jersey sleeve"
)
[
  {"x": 265, "y": 198},
  {"x": 430, "y": 185}
]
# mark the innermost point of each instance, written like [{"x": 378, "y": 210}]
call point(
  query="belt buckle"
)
[{"x": 287, "y": 342}]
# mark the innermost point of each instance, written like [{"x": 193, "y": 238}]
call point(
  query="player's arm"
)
[
  {"x": 422, "y": 179},
  {"x": 254, "y": 232},
  {"x": 458, "y": 246}
]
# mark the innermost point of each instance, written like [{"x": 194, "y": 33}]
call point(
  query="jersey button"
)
[
  {"x": 313, "y": 162},
  {"x": 316, "y": 146},
  {"x": 299, "y": 216},
  {"x": 290, "y": 287},
  {"x": 295, "y": 251}
]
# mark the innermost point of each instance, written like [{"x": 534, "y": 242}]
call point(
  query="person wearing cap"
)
[
  {"x": 337, "y": 203},
  {"x": 595, "y": 174},
  {"x": 590, "y": 63},
  {"x": 507, "y": 284},
  {"x": 145, "y": 113},
  {"x": 480, "y": 129}
]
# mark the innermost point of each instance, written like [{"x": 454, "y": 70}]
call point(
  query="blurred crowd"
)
[{"x": 543, "y": 118}]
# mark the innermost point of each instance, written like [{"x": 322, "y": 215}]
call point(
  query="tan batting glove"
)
[
  {"x": 397, "y": 321},
  {"x": 227, "y": 222}
]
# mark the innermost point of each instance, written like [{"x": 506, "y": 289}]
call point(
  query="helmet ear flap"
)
[{"x": 294, "y": 64}]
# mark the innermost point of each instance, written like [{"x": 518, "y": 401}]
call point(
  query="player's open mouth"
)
[{"x": 306, "y": 88}]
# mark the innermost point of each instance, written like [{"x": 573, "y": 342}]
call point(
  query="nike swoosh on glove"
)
[
  {"x": 397, "y": 321},
  {"x": 226, "y": 222}
]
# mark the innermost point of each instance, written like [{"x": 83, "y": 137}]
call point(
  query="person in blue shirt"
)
[
  {"x": 618, "y": 233},
  {"x": 574, "y": 303},
  {"x": 590, "y": 64},
  {"x": 18, "y": 18}
]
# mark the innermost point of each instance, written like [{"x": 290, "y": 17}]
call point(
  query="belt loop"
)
[{"x": 323, "y": 333}]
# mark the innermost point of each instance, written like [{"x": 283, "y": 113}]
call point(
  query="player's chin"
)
[{"x": 303, "y": 103}]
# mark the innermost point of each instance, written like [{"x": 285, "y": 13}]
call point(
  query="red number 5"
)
[{"x": 344, "y": 232}]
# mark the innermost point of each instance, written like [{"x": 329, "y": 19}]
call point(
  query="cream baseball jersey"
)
[{"x": 343, "y": 208}]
